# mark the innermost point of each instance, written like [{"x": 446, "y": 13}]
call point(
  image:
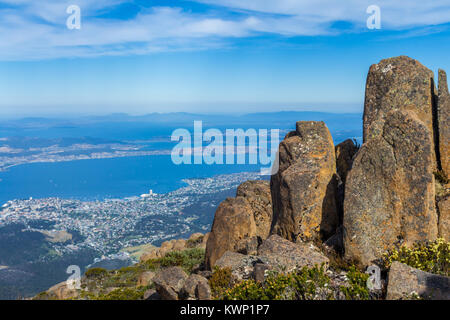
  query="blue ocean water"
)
[
  {"x": 104, "y": 178},
  {"x": 132, "y": 176}
]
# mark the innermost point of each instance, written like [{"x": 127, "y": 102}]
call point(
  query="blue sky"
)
[{"x": 216, "y": 56}]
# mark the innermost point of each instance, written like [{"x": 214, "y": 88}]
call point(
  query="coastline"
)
[{"x": 93, "y": 156}]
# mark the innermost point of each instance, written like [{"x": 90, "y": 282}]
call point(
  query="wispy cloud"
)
[
  {"x": 396, "y": 14},
  {"x": 36, "y": 29}
]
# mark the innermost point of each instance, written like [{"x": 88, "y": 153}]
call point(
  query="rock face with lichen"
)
[
  {"x": 397, "y": 83},
  {"x": 257, "y": 194},
  {"x": 284, "y": 255},
  {"x": 304, "y": 188},
  {"x": 390, "y": 191},
  {"x": 443, "y": 123},
  {"x": 389, "y": 196},
  {"x": 240, "y": 221}
]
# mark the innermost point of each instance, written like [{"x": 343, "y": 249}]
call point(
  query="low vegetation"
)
[
  {"x": 186, "y": 259},
  {"x": 121, "y": 284},
  {"x": 431, "y": 257},
  {"x": 303, "y": 284},
  {"x": 96, "y": 272},
  {"x": 357, "y": 289}
]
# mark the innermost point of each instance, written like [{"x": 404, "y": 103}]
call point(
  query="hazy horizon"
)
[{"x": 141, "y": 114}]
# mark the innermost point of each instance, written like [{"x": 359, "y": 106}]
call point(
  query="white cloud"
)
[{"x": 36, "y": 29}]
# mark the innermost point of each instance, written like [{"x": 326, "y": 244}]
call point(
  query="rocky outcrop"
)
[
  {"x": 145, "y": 278},
  {"x": 169, "y": 282},
  {"x": 389, "y": 197},
  {"x": 407, "y": 283},
  {"x": 196, "y": 240},
  {"x": 284, "y": 255},
  {"x": 399, "y": 83},
  {"x": 239, "y": 221},
  {"x": 443, "y": 123},
  {"x": 304, "y": 188},
  {"x": 61, "y": 291}
]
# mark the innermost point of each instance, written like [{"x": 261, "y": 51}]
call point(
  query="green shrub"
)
[
  {"x": 358, "y": 285},
  {"x": 308, "y": 281},
  {"x": 96, "y": 272},
  {"x": 245, "y": 290},
  {"x": 220, "y": 281},
  {"x": 186, "y": 259},
  {"x": 431, "y": 257},
  {"x": 123, "y": 294}
]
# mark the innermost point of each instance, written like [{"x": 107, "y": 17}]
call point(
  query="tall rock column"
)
[
  {"x": 304, "y": 188},
  {"x": 398, "y": 83},
  {"x": 390, "y": 190},
  {"x": 443, "y": 123}
]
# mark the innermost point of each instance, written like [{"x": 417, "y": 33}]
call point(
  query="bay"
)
[{"x": 98, "y": 179}]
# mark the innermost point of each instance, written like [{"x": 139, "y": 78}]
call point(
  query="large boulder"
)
[
  {"x": 443, "y": 123},
  {"x": 239, "y": 221},
  {"x": 62, "y": 291},
  {"x": 233, "y": 222},
  {"x": 241, "y": 266},
  {"x": 257, "y": 193},
  {"x": 284, "y": 255},
  {"x": 304, "y": 188},
  {"x": 407, "y": 283},
  {"x": 169, "y": 282},
  {"x": 397, "y": 83},
  {"x": 390, "y": 195},
  {"x": 196, "y": 287}
]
